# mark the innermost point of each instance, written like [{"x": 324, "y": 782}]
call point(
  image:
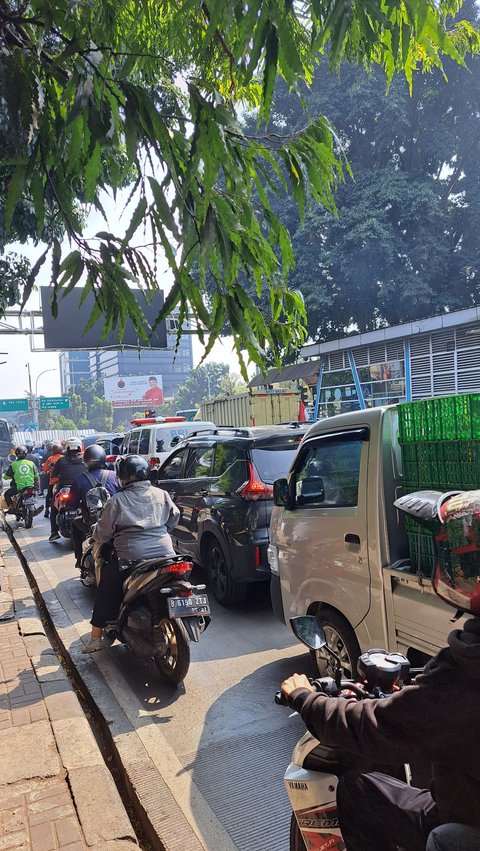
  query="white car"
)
[{"x": 155, "y": 437}]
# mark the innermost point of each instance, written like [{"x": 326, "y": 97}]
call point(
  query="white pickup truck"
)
[{"x": 338, "y": 547}]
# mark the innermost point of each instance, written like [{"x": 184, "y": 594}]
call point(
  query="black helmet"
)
[
  {"x": 94, "y": 457},
  {"x": 29, "y": 445},
  {"x": 21, "y": 451},
  {"x": 132, "y": 468}
]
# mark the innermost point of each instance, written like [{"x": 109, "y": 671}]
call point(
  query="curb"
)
[
  {"x": 173, "y": 814},
  {"x": 100, "y": 810}
]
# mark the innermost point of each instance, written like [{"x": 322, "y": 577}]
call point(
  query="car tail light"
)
[
  {"x": 177, "y": 567},
  {"x": 254, "y": 488},
  {"x": 111, "y": 458},
  {"x": 154, "y": 462}
]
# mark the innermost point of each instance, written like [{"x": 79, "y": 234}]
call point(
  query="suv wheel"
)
[{"x": 224, "y": 588}]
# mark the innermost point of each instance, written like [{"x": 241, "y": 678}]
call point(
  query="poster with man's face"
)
[{"x": 133, "y": 391}]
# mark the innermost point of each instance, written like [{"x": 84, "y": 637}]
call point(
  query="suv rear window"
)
[{"x": 273, "y": 460}]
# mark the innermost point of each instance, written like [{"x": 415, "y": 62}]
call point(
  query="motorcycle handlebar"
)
[{"x": 330, "y": 689}]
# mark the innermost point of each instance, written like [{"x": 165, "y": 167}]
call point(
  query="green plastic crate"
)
[
  {"x": 442, "y": 418},
  {"x": 421, "y": 546}
]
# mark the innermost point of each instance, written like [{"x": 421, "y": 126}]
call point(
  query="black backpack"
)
[{"x": 95, "y": 499}]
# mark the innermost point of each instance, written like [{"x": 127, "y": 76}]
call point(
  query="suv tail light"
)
[{"x": 254, "y": 488}]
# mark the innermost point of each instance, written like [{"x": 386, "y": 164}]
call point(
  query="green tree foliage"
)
[
  {"x": 99, "y": 95},
  {"x": 89, "y": 405},
  {"x": 204, "y": 381},
  {"x": 54, "y": 420},
  {"x": 405, "y": 243},
  {"x": 14, "y": 272}
]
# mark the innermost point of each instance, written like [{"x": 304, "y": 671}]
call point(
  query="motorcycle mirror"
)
[{"x": 309, "y": 631}]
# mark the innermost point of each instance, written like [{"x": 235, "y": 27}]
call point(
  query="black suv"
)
[{"x": 222, "y": 482}]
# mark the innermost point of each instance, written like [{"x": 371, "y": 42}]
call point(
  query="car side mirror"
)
[
  {"x": 281, "y": 493},
  {"x": 311, "y": 490}
]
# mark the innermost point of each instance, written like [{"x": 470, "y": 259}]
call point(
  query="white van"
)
[{"x": 154, "y": 438}]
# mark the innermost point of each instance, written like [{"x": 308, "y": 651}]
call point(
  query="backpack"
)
[{"x": 95, "y": 499}]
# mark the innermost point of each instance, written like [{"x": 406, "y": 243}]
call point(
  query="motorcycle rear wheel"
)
[
  {"x": 296, "y": 838},
  {"x": 174, "y": 664},
  {"x": 28, "y": 518}
]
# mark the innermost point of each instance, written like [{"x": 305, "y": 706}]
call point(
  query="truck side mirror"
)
[
  {"x": 281, "y": 493},
  {"x": 311, "y": 490}
]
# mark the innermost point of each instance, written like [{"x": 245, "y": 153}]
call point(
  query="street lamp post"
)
[{"x": 33, "y": 397}]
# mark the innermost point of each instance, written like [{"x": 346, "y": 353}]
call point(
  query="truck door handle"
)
[{"x": 352, "y": 539}]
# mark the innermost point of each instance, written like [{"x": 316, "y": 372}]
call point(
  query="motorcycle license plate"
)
[
  {"x": 69, "y": 515},
  {"x": 29, "y": 502},
  {"x": 185, "y": 607}
]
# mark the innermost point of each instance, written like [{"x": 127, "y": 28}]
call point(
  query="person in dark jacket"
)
[
  {"x": 435, "y": 719},
  {"x": 64, "y": 472},
  {"x": 94, "y": 458}
]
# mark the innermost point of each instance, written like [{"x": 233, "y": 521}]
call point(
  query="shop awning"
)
[{"x": 306, "y": 369}]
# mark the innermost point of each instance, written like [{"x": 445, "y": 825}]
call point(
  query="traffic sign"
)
[
  {"x": 13, "y": 404},
  {"x": 54, "y": 403}
]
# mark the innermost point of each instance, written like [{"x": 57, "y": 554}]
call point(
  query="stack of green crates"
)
[{"x": 440, "y": 442}]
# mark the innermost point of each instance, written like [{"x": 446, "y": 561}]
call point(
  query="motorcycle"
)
[
  {"x": 23, "y": 507},
  {"x": 311, "y": 779},
  {"x": 161, "y": 611},
  {"x": 65, "y": 515}
]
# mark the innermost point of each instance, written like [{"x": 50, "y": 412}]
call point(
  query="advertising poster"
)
[{"x": 134, "y": 391}]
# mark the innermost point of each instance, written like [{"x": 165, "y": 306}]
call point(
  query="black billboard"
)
[{"x": 67, "y": 331}]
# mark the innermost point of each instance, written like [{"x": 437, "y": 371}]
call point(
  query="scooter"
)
[
  {"x": 311, "y": 779},
  {"x": 23, "y": 507},
  {"x": 66, "y": 515},
  {"x": 161, "y": 612}
]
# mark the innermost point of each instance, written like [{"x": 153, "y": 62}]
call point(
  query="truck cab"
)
[{"x": 338, "y": 547}]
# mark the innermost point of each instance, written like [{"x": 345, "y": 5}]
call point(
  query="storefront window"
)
[{"x": 381, "y": 383}]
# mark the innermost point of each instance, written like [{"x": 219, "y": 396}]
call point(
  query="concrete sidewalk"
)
[{"x": 55, "y": 789}]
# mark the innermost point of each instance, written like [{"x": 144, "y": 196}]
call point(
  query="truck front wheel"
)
[{"x": 342, "y": 640}]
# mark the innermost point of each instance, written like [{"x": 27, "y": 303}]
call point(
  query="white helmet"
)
[{"x": 73, "y": 444}]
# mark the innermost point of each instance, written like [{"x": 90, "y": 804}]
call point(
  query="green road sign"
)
[
  {"x": 54, "y": 403},
  {"x": 13, "y": 404}
]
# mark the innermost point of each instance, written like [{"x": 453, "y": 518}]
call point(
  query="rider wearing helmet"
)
[
  {"x": 137, "y": 521},
  {"x": 434, "y": 720},
  {"x": 31, "y": 455},
  {"x": 55, "y": 452},
  {"x": 23, "y": 474},
  {"x": 63, "y": 473},
  {"x": 94, "y": 459}
]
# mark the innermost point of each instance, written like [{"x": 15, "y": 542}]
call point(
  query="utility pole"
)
[{"x": 32, "y": 399}]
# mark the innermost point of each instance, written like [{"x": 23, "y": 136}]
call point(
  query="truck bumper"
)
[{"x": 276, "y": 597}]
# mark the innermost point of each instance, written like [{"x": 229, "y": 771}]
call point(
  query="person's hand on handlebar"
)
[{"x": 293, "y": 682}]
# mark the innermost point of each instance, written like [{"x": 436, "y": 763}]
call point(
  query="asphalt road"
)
[{"x": 227, "y": 734}]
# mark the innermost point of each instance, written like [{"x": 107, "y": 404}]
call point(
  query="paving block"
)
[
  {"x": 48, "y": 669},
  {"x": 34, "y": 749},
  {"x": 30, "y": 626},
  {"x": 76, "y": 743},
  {"x": 62, "y": 704},
  {"x": 99, "y": 808}
]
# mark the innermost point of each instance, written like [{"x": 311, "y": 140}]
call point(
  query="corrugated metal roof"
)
[{"x": 305, "y": 369}]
